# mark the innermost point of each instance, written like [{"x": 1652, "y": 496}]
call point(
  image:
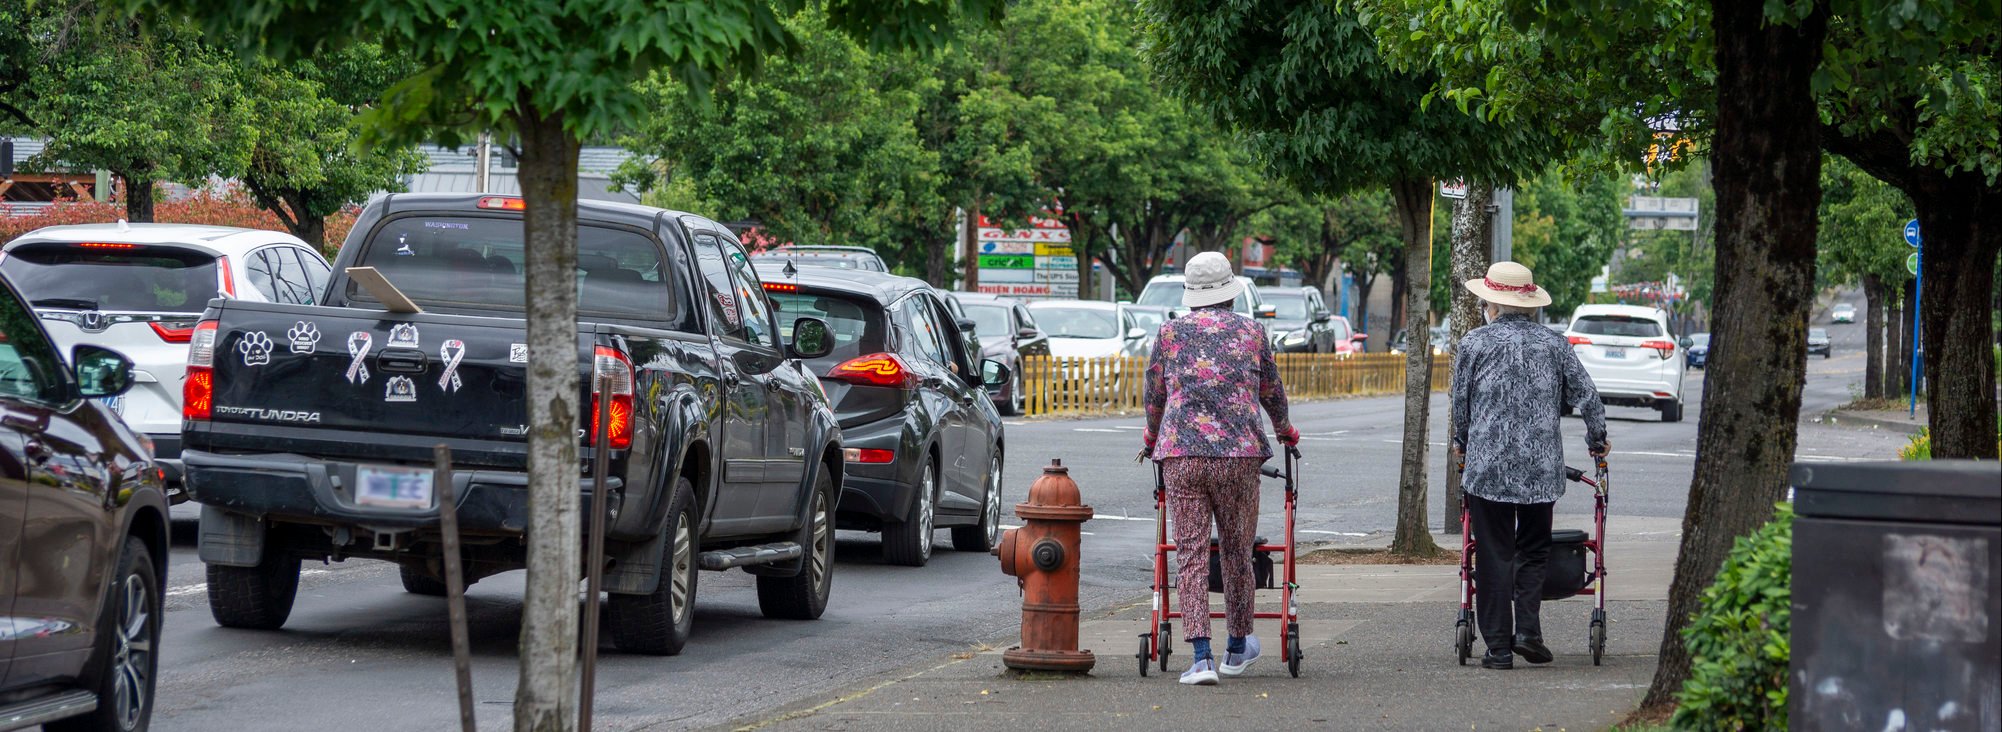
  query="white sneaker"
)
[
  {"x": 1200, "y": 673},
  {"x": 1236, "y": 663}
]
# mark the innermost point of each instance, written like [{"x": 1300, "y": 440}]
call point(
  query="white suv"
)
[
  {"x": 138, "y": 289},
  {"x": 1166, "y": 291},
  {"x": 1633, "y": 360}
]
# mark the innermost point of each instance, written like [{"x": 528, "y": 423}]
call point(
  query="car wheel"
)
[
  {"x": 128, "y": 661},
  {"x": 908, "y": 542},
  {"x": 258, "y": 597},
  {"x": 1016, "y": 400},
  {"x": 659, "y": 623},
  {"x": 1672, "y": 411},
  {"x": 984, "y": 536},
  {"x": 804, "y": 596},
  {"x": 416, "y": 582}
]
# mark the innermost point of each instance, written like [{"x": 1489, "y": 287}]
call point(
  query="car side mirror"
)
[
  {"x": 811, "y": 338},
  {"x": 100, "y": 372},
  {"x": 966, "y": 325},
  {"x": 1686, "y": 342},
  {"x": 1266, "y": 312},
  {"x": 1323, "y": 316},
  {"x": 994, "y": 373},
  {"x": 1134, "y": 334}
]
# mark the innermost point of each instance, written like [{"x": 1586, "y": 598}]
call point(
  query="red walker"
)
[
  {"x": 1156, "y": 643},
  {"x": 1595, "y": 543}
]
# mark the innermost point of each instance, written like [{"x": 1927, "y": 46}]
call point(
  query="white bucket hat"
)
[
  {"x": 1209, "y": 281},
  {"x": 1509, "y": 283}
]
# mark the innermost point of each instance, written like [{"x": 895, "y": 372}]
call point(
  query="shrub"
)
[
  {"x": 228, "y": 206},
  {"x": 1737, "y": 641},
  {"x": 1920, "y": 448}
]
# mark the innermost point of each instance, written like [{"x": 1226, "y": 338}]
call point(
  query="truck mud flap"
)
[
  {"x": 635, "y": 568},
  {"x": 230, "y": 539}
]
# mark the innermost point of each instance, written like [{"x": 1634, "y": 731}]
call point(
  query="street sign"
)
[
  {"x": 1912, "y": 263},
  {"x": 1662, "y": 213},
  {"x": 1912, "y": 232},
  {"x": 1453, "y": 188}
]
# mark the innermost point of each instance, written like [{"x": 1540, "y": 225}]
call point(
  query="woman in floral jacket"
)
[{"x": 1211, "y": 373}]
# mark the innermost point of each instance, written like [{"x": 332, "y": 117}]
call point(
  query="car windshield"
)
[
  {"x": 1149, "y": 319},
  {"x": 114, "y": 277},
  {"x": 476, "y": 261},
  {"x": 1291, "y": 306},
  {"x": 1073, "y": 322},
  {"x": 1817, "y": 333},
  {"x": 1700, "y": 339},
  {"x": 856, "y": 323},
  {"x": 988, "y": 320},
  {"x": 1616, "y": 325},
  {"x": 1162, "y": 294}
]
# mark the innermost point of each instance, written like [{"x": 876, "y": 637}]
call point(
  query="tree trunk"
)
[
  {"x": 1399, "y": 285},
  {"x": 1963, "y": 230},
  {"x": 1414, "y": 214},
  {"x": 1768, "y": 167},
  {"x": 969, "y": 250},
  {"x": 546, "y": 698},
  {"x": 138, "y": 200},
  {"x": 1873, "y": 337},
  {"x": 312, "y": 230},
  {"x": 1472, "y": 230},
  {"x": 935, "y": 258}
]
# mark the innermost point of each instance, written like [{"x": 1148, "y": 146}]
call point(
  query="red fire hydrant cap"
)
[{"x": 1055, "y": 496}]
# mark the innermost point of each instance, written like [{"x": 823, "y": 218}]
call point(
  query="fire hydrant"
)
[{"x": 1043, "y": 555}]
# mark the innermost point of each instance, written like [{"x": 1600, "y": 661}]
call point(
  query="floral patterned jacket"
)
[{"x": 1211, "y": 372}]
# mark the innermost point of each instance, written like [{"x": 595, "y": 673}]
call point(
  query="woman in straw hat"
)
[
  {"x": 1511, "y": 380},
  {"x": 1211, "y": 373}
]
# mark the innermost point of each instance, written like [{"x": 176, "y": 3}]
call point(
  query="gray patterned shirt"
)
[{"x": 1511, "y": 379}]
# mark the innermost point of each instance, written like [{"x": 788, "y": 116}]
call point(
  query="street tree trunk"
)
[
  {"x": 1873, "y": 337},
  {"x": 546, "y": 699},
  {"x": 969, "y": 250},
  {"x": 1414, "y": 214},
  {"x": 1768, "y": 169},
  {"x": 1962, "y": 225},
  {"x": 138, "y": 199},
  {"x": 1472, "y": 233}
]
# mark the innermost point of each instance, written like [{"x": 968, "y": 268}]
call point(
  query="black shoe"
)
[
  {"x": 1532, "y": 649},
  {"x": 1498, "y": 658}
]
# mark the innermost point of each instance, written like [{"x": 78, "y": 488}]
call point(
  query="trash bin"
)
[{"x": 1897, "y": 571}]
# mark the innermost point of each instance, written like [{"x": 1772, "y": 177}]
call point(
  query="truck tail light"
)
[
  {"x": 1578, "y": 340},
  {"x": 172, "y": 333},
  {"x": 1664, "y": 348},
  {"x": 611, "y": 365},
  {"x": 875, "y": 369},
  {"x": 198, "y": 387}
]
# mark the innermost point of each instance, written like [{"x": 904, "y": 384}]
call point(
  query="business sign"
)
[
  {"x": 1007, "y": 275},
  {"x": 1007, "y": 247},
  {"x": 1029, "y": 290},
  {"x": 1055, "y": 250},
  {"x": 1032, "y": 262},
  {"x": 1056, "y": 263},
  {"x": 1057, "y": 275},
  {"x": 1007, "y": 261}
]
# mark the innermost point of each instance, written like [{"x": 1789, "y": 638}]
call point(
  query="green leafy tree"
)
[
  {"x": 1306, "y": 84},
  {"x": 304, "y": 164},
  {"x": 1861, "y": 244},
  {"x": 148, "y": 102},
  {"x": 1566, "y": 230},
  {"x": 548, "y": 73}
]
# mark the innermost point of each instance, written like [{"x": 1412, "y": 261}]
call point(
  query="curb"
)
[{"x": 1840, "y": 418}]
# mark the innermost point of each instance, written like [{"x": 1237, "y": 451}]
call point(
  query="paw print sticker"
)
[
  {"x": 255, "y": 347},
  {"x": 304, "y": 338}
]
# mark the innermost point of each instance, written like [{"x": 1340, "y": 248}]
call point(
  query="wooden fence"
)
[{"x": 1116, "y": 384}]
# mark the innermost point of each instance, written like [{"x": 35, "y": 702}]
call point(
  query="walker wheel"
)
[
  {"x": 1293, "y": 653},
  {"x": 1142, "y": 655},
  {"x": 1598, "y": 641},
  {"x": 1464, "y": 644},
  {"x": 1163, "y": 644}
]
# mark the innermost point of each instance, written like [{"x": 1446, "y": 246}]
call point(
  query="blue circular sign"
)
[{"x": 1912, "y": 232}]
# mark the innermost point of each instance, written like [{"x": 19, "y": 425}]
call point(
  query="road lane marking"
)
[{"x": 1094, "y": 429}]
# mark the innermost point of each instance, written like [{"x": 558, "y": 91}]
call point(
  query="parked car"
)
[
  {"x": 1302, "y": 322},
  {"x": 1697, "y": 350},
  {"x": 1817, "y": 342},
  {"x": 1166, "y": 291},
  {"x": 862, "y": 258},
  {"x": 1440, "y": 337},
  {"x": 1089, "y": 329},
  {"x": 83, "y": 537},
  {"x": 1150, "y": 318},
  {"x": 139, "y": 288},
  {"x": 1842, "y": 313},
  {"x": 1007, "y": 333},
  {"x": 310, "y": 429},
  {"x": 924, "y": 444},
  {"x": 1632, "y": 361}
]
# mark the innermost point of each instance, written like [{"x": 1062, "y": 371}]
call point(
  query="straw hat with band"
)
[
  {"x": 1511, "y": 284},
  {"x": 1209, "y": 280}
]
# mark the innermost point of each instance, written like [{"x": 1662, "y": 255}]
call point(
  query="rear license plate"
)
[
  {"x": 1619, "y": 353},
  {"x": 393, "y": 487},
  {"x": 114, "y": 403}
]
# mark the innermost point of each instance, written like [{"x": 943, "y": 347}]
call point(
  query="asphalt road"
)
[{"x": 359, "y": 653}]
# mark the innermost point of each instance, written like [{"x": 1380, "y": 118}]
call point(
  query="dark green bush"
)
[{"x": 1738, "y": 641}]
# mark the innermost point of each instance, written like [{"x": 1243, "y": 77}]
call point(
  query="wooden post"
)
[{"x": 455, "y": 582}]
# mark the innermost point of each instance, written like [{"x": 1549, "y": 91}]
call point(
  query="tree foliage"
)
[
  {"x": 1862, "y": 224},
  {"x": 1565, "y": 230}
]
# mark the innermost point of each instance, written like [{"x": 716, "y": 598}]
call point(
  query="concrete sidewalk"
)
[{"x": 1379, "y": 655}]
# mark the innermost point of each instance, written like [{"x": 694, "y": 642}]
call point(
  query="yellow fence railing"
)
[{"x": 1116, "y": 384}]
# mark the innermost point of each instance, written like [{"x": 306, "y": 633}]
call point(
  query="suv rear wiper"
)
[{"x": 73, "y": 303}]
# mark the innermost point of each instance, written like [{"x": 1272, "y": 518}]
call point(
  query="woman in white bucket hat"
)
[
  {"x": 1511, "y": 380},
  {"x": 1211, "y": 374}
]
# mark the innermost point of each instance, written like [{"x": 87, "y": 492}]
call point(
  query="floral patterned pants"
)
[{"x": 1226, "y": 488}]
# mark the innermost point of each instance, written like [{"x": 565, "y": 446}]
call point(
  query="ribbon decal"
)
[
  {"x": 453, "y": 351},
  {"x": 358, "y": 345}
]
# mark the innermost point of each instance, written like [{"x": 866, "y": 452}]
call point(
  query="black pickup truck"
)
[{"x": 310, "y": 429}]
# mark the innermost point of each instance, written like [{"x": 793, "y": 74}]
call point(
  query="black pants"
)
[{"x": 1511, "y": 547}]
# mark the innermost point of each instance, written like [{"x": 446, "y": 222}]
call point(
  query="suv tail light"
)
[
  {"x": 1577, "y": 340},
  {"x": 198, "y": 387},
  {"x": 875, "y": 369},
  {"x": 225, "y": 278},
  {"x": 172, "y": 333},
  {"x": 609, "y": 364},
  {"x": 1666, "y": 348}
]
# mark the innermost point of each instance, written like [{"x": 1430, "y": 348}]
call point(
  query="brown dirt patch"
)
[{"x": 1377, "y": 556}]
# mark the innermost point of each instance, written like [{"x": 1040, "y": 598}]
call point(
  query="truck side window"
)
[
  {"x": 757, "y": 311},
  {"x": 721, "y": 296}
]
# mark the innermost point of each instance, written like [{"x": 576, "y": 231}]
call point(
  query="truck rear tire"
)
[
  {"x": 258, "y": 597},
  {"x": 804, "y": 596},
  {"x": 908, "y": 542},
  {"x": 416, "y": 582},
  {"x": 659, "y": 623}
]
